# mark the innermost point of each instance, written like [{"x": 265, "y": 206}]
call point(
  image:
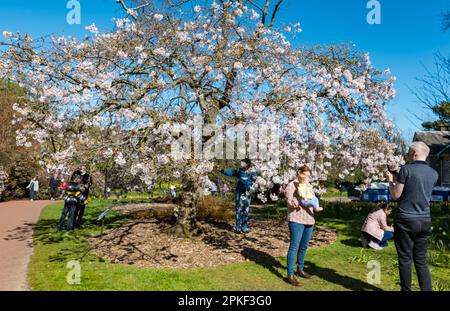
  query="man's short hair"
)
[{"x": 421, "y": 148}]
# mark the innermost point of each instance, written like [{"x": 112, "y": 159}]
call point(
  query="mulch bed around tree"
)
[{"x": 145, "y": 243}]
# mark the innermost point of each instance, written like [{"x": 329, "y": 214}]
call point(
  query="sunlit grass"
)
[{"x": 340, "y": 266}]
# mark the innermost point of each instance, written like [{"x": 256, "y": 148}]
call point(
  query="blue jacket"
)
[{"x": 245, "y": 178}]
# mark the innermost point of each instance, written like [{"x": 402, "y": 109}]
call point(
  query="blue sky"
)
[{"x": 405, "y": 41}]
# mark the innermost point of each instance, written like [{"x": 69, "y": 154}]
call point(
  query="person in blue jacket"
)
[{"x": 243, "y": 198}]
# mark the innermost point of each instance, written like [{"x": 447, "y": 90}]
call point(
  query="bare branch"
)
[
  {"x": 127, "y": 9},
  {"x": 274, "y": 13},
  {"x": 265, "y": 12}
]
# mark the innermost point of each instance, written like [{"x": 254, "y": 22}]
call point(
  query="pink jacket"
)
[
  {"x": 296, "y": 212},
  {"x": 376, "y": 224}
]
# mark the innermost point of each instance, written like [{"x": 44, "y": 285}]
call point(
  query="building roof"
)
[{"x": 438, "y": 141}]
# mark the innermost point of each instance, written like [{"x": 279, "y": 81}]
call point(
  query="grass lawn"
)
[
  {"x": 340, "y": 266},
  {"x": 159, "y": 191},
  {"x": 333, "y": 192}
]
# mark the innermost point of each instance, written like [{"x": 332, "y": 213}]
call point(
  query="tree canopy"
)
[{"x": 130, "y": 94}]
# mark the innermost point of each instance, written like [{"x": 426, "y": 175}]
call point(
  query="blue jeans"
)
[
  {"x": 242, "y": 211},
  {"x": 388, "y": 235},
  {"x": 71, "y": 209},
  {"x": 32, "y": 194},
  {"x": 314, "y": 203},
  {"x": 300, "y": 236}
]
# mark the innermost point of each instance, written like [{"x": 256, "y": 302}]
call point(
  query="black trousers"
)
[
  {"x": 53, "y": 192},
  {"x": 411, "y": 241},
  {"x": 79, "y": 213},
  {"x": 69, "y": 208}
]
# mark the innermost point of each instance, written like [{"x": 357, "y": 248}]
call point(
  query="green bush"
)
[
  {"x": 20, "y": 174},
  {"x": 361, "y": 208}
]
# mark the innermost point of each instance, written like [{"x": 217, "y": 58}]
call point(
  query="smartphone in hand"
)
[{"x": 393, "y": 172}]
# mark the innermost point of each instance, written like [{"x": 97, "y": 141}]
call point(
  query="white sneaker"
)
[{"x": 375, "y": 245}]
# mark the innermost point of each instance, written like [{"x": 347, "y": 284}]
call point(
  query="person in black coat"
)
[
  {"x": 54, "y": 185},
  {"x": 86, "y": 182},
  {"x": 73, "y": 198}
]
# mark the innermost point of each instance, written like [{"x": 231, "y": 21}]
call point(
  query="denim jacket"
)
[{"x": 245, "y": 178}]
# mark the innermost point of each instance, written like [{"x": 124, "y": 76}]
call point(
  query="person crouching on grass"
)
[
  {"x": 243, "y": 197},
  {"x": 301, "y": 225},
  {"x": 375, "y": 231}
]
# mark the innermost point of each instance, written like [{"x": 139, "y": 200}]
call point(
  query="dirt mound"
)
[{"x": 144, "y": 243}]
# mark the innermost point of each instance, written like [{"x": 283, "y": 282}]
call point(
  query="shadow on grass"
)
[
  {"x": 265, "y": 260},
  {"x": 348, "y": 227},
  {"x": 327, "y": 274},
  {"x": 46, "y": 231},
  {"x": 352, "y": 242},
  {"x": 330, "y": 275}
]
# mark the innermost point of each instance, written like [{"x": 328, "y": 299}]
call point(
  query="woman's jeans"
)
[
  {"x": 243, "y": 201},
  {"x": 32, "y": 194},
  {"x": 300, "y": 235},
  {"x": 388, "y": 235}
]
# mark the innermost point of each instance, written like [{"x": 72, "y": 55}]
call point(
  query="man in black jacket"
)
[
  {"x": 412, "y": 221},
  {"x": 73, "y": 198},
  {"x": 54, "y": 184}
]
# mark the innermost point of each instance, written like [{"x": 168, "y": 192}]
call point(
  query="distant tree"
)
[
  {"x": 9, "y": 94},
  {"x": 18, "y": 162},
  {"x": 442, "y": 111},
  {"x": 161, "y": 72},
  {"x": 434, "y": 93},
  {"x": 20, "y": 173}
]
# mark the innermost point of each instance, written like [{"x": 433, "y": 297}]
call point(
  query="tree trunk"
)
[
  {"x": 186, "y": 212},
  {"x": 186, "y": 224},
  {"x": 105, "y": 193}
]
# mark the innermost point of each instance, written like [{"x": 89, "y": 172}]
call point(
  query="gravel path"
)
[{"x": 17, "y": 221}]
